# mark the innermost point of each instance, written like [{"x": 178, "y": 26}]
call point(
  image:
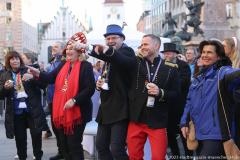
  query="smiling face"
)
[
  {"x": 114, "y": 41},
  {"x": 71, "y": 54},
  {"x": 15, "y": 63},
  {"x": 209, "y": 55},
  {"x": 149, "y": 47}
]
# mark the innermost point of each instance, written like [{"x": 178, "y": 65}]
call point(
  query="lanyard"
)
[
  {"x": 14, "y": 75},
  {"x": 156, "y": 71}
]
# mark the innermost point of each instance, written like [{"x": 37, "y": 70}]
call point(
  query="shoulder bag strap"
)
[{"x": 224, "y": 111}]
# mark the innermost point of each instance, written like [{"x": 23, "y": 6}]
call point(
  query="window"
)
[
  {"x": 8, "y": 36},
  {"x": 8, "y": 20},
  {"x": 229, "y": 10},
  {"x": 9, "y": 6},
  {"x": 118, "y": 16},
  {"x": 10, "y": 48}
]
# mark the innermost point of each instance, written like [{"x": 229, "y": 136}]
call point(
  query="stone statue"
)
[
  {"x": 194, "y": 13},
  {"x": 171, "y": 24},
  {"x": 184, "y": 34},
  {"x": 178, "y": 41}
]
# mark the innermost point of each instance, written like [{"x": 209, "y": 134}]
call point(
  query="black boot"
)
[{"x": 57, "y": 157}]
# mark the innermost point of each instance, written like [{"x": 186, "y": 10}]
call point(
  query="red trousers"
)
[{"x": 137, "y": 136}]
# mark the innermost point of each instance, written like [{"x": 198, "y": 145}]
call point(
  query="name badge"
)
[
  {"x": 150, "y": 101},
  {"x": 22, "y": 105}
]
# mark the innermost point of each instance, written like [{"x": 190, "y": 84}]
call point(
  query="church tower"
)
[{"x": 113, "y": 12}]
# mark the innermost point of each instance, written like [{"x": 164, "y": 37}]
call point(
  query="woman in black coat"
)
[{"x": 23, "y": 107}]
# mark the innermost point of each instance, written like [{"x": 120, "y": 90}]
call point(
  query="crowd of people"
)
[{"x": 133, "y": 97}]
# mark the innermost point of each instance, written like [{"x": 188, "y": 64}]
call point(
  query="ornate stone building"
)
[{"x": 61, "y": 28}]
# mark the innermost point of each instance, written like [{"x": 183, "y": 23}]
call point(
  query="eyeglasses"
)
[{"x": 112, "y": 38}]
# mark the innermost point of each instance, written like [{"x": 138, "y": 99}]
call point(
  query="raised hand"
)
[
  {"x": 35, "y": 72},
  {"x": 78, "y": 45},
  {"x": 27, "y": 76}
]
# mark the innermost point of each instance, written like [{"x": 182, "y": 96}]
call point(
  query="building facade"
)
[
  {"x": 16, "y": 33},
  {"x": 159, "y": 10},
  {"x": 145, "y": 23},
  {"x": 220, "y": 18},
  {"x": 61, "y": 28}
]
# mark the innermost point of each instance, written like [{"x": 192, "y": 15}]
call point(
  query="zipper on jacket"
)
[{"x": 138, "y": 73}]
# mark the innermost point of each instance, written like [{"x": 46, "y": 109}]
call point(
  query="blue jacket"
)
[
  {"x": 50, "y": 88},
  {"x": 202, "y": 103}
]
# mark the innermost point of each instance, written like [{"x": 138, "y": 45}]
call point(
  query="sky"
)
[{"x": 45, "y": 10}]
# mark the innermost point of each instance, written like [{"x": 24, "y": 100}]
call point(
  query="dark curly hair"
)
[
  {"x": 219, "y": 49},
  {"x": 9, "y": 56}
]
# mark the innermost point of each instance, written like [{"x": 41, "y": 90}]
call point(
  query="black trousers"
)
[
  {"x": 111, "y": 141},
  {"x": 172, "y": 132},
  {"x": 172, "y": 141},
  {"x": 21, "y": 123},
  {"x": 237, "y": 125},
  {"x": 60, "y": 150},
  {"x": 210, "y": 149},
  {"x": 72, "y": 144}
]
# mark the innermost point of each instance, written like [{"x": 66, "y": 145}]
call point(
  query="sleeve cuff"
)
[
  {"x": 90, "y": 48},
  {"x": 183, "y": 125},
  {"x": 161, "y": 99},
  {"x": 109, "y": 52}
]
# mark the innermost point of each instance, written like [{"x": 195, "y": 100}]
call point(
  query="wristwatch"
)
[{"x": 74, "y": 100}]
